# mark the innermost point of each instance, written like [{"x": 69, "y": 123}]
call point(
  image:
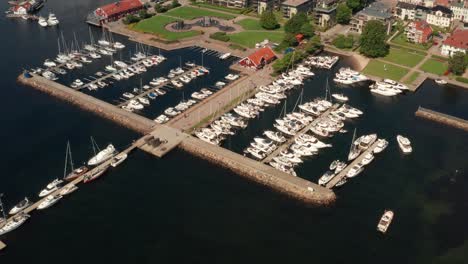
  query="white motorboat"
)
[
  {"x": 20, "y": 206},
  {"x": 102, "y": 156},
  {"x": 326, "y": 177},
  {"x": 128, "y": 95},
  {"x": 42, "y": 22},
  {"x": 354, "y": 171},
  {"x": 49, "y": 201},
  {"x": 161, "y": 119},
  {"x": 405, "y": 144},
  {"x": 49, "y": 63},
  {"x": 232, "y": 77},
  {"x": 50, "y": 188},
  {"x": 381, "y": 145},
  {"x": 118, "y": 45},
  {"x": 68, "y": 189},
  {"x": 441, "y": 81},
  {"x": 276, "y": 136},
  {"x": 340, "y": 97},
  {"x": 52, "y": 20},
  {"x": 143, "y": 100},
  {"x": 368, "y": 158},
  {"x": 14, "y": 223},
  {"x": 225, "y": 56},
  {"x": 385, "y": 221},
  {"x": 118, "y": 159}
]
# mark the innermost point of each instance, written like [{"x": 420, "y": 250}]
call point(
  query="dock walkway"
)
[
  {"x": 302, "y": 131},
  {"x": 343, "y": 173}
]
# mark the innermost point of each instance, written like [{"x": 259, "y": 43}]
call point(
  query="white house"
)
[
  {"x": 458, "y": 41},
  {"x": 440, "y": 16},
  {"x": 459, "y": 11}
]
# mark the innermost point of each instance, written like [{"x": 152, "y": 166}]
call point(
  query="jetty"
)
[
  {"x": 442, "y": 118},
  {"x": 302, "y": 131},
  {"x": 342, "y": 174}
]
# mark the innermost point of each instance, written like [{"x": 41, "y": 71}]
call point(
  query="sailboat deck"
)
[
  {"x": 302, "y": 131},
  {"x": 2, "y": 245},
  {"x": 343, "y": 173}
]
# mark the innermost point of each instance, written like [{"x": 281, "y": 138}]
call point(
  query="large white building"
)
[
  {"x": 458, "y": 41},
  {"x": 459, "y": 11},
  {"x": 440, "y": 16}
]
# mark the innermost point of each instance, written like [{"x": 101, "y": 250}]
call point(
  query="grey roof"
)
[
  {"x": 442, "y": 9},
  {"x": 404, "y": 5},
  {"x": 295, "y": 2},
  {"x": 376, "y": 10}
]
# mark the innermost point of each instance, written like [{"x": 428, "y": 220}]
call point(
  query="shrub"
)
[
  {"x": 268, "y": 20},
  {"x": 461, "y": 79},
  {"x": 343, "y": 42},
  {"x": 160, "y": 8},
  {"x": 222, "y": 36},
  {"x": 130, "y": 19}
]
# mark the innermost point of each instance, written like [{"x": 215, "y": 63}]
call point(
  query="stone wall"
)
[{"x": 442, "y": 118}]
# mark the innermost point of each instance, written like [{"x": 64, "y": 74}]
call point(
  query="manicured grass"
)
[
  {"x": 434, "y": 66},
  {"x": 249, "y": 39},
  {"x": 155, "y": 25},
  {"x": 252, "y": 24},
  {"x": 439, "y": 57},
  {"x": 220, "y": 8},
  {"x": 412, "y": 78},
  {"x": 404, "y": 57},
  {"x": 461, "y": 79},
  {"x": 401, "y": 40},
  {"x": 384, "y": 70},
  {"x": 188, "y": 12}
]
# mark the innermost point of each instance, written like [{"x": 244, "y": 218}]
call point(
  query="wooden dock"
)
[
  {"x": 145, "y": 93},
  {"x": 442, "y": 118},
  {"x": 302, "y": 131},
  {"x": 343, "y": 173},
  {"x": 105, "y": 165}
]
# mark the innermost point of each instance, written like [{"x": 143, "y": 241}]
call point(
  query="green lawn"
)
[
  {"x": 434, "y": 66},
  {"x": 401, "y": 40},
  {"x": 383, "y": 70},
  {"x": 252, "y": 24},
  {"x": 156, "y": 24},
  {"x": 249, "y": 39},
  {"x": 188, "y": 12},
  {"x": 404, "y": 57},
  {"x": 412, "y": 78},
  {"x": 220, "y": 8}
]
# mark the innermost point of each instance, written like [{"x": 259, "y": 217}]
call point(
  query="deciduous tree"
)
[
  {"x": 373, "y": 39},
  {"x": 343, "y": 14}
]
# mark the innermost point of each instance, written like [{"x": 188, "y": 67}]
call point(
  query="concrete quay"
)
[
  {"x": 342, "y": 174},
  {"x": 442, "y": 118},
  {"x": 127, "y": 119},
  {"x": 279, "y": 181}
]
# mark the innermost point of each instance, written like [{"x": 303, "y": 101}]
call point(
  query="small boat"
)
[
  {"x": 42, "y": 22},
  {"x": 52, "y": 20},
  {"x": 68, "y": 189},
  {"x": 368, "y": 158},
  {"x": 441, "y": 81},
  {"x": 341, "y": 182},
  {"x": 340, "y": 97},
  {"x": 20, "y": 206},
  {"x": 326, "y": 177},
  {"x": 103, "y": 155},
  {"x": 95, "y": 174},
  {"x": 385, "y": 221},
  {"x": 14, "y": 223},
  {"x": 405, "y": 144},
  {"x": 118, "y": 159},
  {"x": 381, "y": 145},
  {"x": 334, "y": 164},
  {"x": 49, "y": 201},
  {"x": 354, "y": 171},
  {"x": 50, "y": 188},
  {"x": 128, "y": 95}
]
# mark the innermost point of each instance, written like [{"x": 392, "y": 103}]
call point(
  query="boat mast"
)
[
  {"x": 70, "y": 155},
  {"x": 352, "y": 141},
  {"x": 66, "y": 160},
  {"x": 94, "y": 145},
  {"x": 299, "y": 100}
]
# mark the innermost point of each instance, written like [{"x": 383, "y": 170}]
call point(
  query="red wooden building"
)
[
  {"x": 259, "y": 58},
  {"x": 114, "y": 11}
]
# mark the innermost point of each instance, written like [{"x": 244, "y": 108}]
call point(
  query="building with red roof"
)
[
  {"x": 114, "y": 11},
  {"x": 418, "y": 32},
  {"x": 259, "y": 58},
  {"x": 458, "y": 41}
]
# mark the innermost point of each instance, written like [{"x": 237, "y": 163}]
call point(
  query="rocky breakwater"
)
[
  {"x": 295, "y": 187},
  {"x": 127, "y": 119},
  {"x": 442, "y": 118}
]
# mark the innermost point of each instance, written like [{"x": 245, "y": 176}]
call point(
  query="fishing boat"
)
[
  {"x": 103, "y": 155},
  {"x": 74, "y": 173},
  {"x": 405, "y": 144},
  {"x": 50, "y": 188},
  {"x": 14, "y": 223},
  {"x": 385, "y": 221},
  {"x": 20, "y": 206},
  {"x": 49, "y": 201},
  {"x": 118, "y": 159},
  {"x": 95, "y": 174}
]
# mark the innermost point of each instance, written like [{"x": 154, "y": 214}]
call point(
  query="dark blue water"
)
[{"x": 184, "y": 210}]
